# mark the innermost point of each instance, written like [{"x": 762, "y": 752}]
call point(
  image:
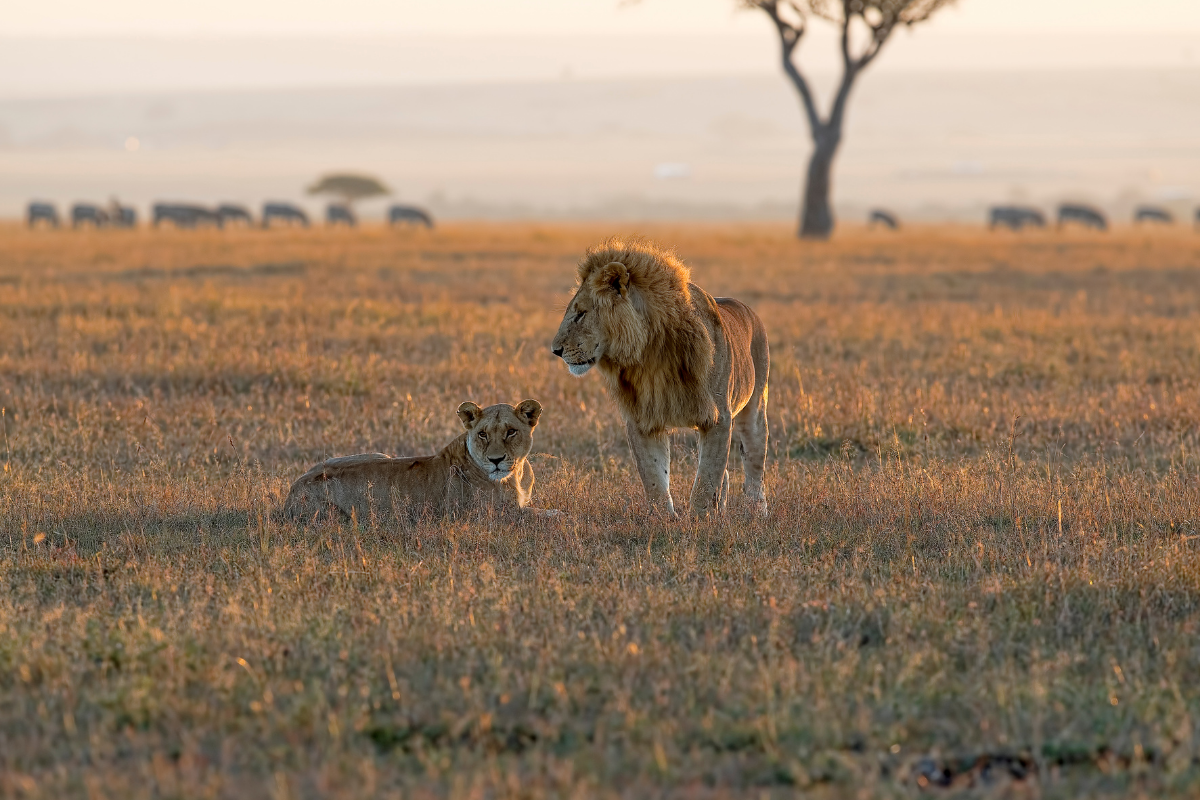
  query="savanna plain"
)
[{"x": 980, "y": 575}]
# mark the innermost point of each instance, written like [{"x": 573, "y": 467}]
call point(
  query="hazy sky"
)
[
  {"x": 992, "y": 100},
  {"x": 475, "y": 17}
]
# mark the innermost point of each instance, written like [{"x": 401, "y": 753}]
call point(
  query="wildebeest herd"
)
[
  {"x": 1016, "y": 217},
  {"x": 115, "y": 215},
  {"x": 190, "y": 215},
  {"x": 1019, "y": 217}
]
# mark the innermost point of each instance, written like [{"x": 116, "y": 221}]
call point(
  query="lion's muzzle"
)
[
  {"x": 577, "y": 368},
  {"x": 499, "y": 468},
  {"x": 580, "y": 369}
]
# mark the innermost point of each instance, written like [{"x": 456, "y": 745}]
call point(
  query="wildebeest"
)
[
  {"x": 412, "y": 214},
  {"x": 335, "y": 214},
  {"x": 228, "y": 212},
  {"x": 83, "y": 213},
  {"x": 122, "y": 216},
  {"x": 884, "y": 218},
  {"x": 1015, "y": 217},
  {"x": 42, "y": 212},
  {"x": 1084, "y": 215},
  {"x": 283, "y": 211},
  {"x": 184, "y": 215},
  {"x": 1153, "y": 214}
]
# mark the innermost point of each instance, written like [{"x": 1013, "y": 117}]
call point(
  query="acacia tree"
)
[
  {"x": 877, "y": 19},
  {"x": 349, "y": 187}
]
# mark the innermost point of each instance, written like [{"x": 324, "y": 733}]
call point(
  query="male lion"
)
[
  {"x": 486, "y": 464},
  {"x": 674, "y": 357}
]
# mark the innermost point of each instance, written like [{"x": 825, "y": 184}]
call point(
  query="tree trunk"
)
[{"x": 816, "y": 216}]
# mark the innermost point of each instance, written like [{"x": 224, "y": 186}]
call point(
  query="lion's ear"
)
[
  {"x": 615, "y": 276},
  {"x": 469, "y": 413},
  {"x": 530, "y": 411}
]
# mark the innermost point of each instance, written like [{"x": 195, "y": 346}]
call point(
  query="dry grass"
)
[{"x": 982, "y": 566}]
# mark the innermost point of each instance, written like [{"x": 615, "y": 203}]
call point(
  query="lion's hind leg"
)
[
  {"x": 312, "y": 501},
  {"x": 750, "y": 428},
  {"x": 336, "y": 489}
]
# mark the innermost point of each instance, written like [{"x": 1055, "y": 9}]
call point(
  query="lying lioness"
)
[{"x": 485, "y": 465}]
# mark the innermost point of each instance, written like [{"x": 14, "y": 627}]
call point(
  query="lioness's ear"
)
[
  {"x": 530, "y": 411},
  {"x": 469, "y": 413},
  {"x": 615, "y": 276}
]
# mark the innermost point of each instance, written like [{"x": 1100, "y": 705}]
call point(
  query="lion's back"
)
[{"x": 367, "y": 484}]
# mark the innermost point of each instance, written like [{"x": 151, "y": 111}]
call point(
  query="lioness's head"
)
[
  {"x": 626, "y": 290},
  {"x": 500, "y": 437}
]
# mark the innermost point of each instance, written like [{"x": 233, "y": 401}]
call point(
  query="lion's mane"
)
[{"x": 659, "y": 353}]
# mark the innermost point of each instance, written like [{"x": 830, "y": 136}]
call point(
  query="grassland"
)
[{"x": 981, "y": 575}]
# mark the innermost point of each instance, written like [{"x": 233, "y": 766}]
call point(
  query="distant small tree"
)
[
  {"x": 349, "y": 187},
  {"x": 874, "y": 18}
]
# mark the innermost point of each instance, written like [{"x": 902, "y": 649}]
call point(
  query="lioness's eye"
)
[
  {"x": 482, "y": 436},
  {"x": 511, "y": 433}
]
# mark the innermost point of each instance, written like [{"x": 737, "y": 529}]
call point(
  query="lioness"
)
[
  {"x": 674, "y": 357},
  {"x": 486, "y": 464}
]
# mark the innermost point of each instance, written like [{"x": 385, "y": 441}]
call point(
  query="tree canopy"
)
[
  {"x": 880, "y": 17},
  {"x": 349, "y": 187}
]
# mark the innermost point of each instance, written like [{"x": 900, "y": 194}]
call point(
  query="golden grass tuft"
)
[{"x": 982, "y": 568}]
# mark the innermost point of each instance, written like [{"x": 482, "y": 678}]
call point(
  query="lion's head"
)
[
  {"x": 584, "y": 335},
  {"x": 500, "y": 437},
  {"x": 631, "y": 294}
]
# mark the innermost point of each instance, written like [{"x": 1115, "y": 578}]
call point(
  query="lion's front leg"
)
[
  {"x": 524, "y": 484},
  {"x": 652, "y": 454},
  {"x": 711, "y": 489}
]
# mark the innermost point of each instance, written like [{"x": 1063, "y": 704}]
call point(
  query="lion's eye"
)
[
  {"x": 579, "y": 316},
  {"x": 482, "y": 436},
  {"x": 511, "y": 433}
]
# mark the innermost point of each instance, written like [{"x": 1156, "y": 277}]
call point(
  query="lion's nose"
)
[
  {"x": 557, "y": 351},
  {"x": 496, "y": 461}
]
